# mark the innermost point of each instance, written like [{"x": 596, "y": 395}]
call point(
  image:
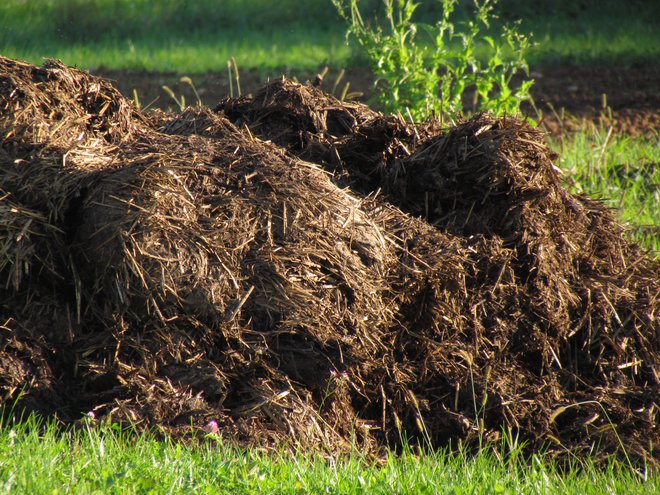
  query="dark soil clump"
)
[{"x": 310, "y": 272}]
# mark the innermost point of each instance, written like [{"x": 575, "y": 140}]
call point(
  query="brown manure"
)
[
  {"x": 345, "y": 136},
  {"x": 190, "y": 271}
]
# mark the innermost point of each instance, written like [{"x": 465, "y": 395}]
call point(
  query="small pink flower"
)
[
  {"x": 212, "y": 427},
  {"x": 91, "y": 415}
]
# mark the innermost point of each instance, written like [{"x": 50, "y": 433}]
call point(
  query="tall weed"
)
[{"x": 432, "y": 75}]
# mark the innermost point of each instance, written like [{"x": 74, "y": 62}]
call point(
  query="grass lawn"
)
[{"x": 36, "y": 459}]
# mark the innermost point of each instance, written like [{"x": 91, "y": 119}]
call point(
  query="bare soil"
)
[{"x": 628, "y": 98}]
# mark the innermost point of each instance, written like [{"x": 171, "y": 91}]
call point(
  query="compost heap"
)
[{"x": 309, "y": 272}]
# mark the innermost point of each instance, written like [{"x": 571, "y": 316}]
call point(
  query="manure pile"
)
[{"x": 309, "y": 272}]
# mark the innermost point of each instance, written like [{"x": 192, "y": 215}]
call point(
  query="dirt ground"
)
[{"x": 626, "y": 98}]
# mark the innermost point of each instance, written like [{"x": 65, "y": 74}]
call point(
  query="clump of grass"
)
[
  {"x": 39, "y": 457},
  {"x": 179, "y": 100},
  {"x": 622, "y": 170}
]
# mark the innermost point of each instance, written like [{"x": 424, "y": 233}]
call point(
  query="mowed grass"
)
[
  {"x": 177, "y": 35},
  {"x": 268, "y": 51},
  {"x": 36, "y": 458},
  {"x": 199, "y": 36}
]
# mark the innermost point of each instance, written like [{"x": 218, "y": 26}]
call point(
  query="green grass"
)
[
  {"x": 589, "y": 31},
  {"x": 624, "y": 42},
  {"x": 174, "y": 35},
  {"x": 623, "y": 171},
  {"x": 35, "y": 458},
  {"x": 193, "y": 37},
  {"x": 196, "y": 53}
]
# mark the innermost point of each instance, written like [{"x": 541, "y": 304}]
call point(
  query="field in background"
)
[{"x": 199, "y": 36}]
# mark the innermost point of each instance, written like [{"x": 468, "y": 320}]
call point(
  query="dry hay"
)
[{"x": 196, "y": 272}]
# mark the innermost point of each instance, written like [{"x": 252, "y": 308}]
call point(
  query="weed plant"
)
[{"x": 430, "y": 76}]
